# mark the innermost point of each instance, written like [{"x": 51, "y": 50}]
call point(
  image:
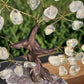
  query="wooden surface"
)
[{"x": 77, "y": 79}]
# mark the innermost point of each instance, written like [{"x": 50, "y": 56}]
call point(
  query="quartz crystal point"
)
[
  {"x": 1, "y": 22},
  {"x": 51, "y": 12},
  {"x": 33, "y": 4},
  {"x": 72, "y": 43},
  {"x": 62, "y": 71},
  {"x": 72, "y": 61},
  {"x": 75, "y": 6},
  {"x": 16, "y": 17},
  {"x": 74, "y": 70},
  {"x": 54, "y": 60},
  {"x": 3, "y": 53},
  {"x": 77, "y": 25},
  {"x": 49, "y": 29},
  {"x": 18, "y": 70},
  {"x": 80, "y": 13}
]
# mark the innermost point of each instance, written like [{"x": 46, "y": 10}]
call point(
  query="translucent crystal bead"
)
[
  {"x": 77, "y": 25},
  {"x": 33, "y": 4},
  {"x": 3, "y": 53},
  {"x": 72, "y": 42},
  {"x": 75, "y": 6},
  {"x": 74, "y": 70},
  {"x": 72, "y": 61},
  {"x": 29, "y": 64},
  {"x": 54, "y": 60},
  {"x": 16, "y": 17},
  {"x": 79, "y": 55},
  {"x": 19, "y": 70},
  {"x": 80, "y": 13},
  {"x": 1, "y": 22},
  {"x": 49, "y": 29},
  {"x": 69, "y": 51},
  {"x": 62, "y": 71},
  {"x": 51, "y": 12}
]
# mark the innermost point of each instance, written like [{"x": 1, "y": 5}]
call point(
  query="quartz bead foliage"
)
[
  {"x": 3, "y": 53},
  {"x": 77, "y": 25},
  {"x": 33, "y": 4},
  {"x": 50, "y": 12},
  {"x": 49, "y": 29},
  {"x": 16, "y": 17},
  {"x": 1, "y": 22},
  {"x": 75, "y": 6}
]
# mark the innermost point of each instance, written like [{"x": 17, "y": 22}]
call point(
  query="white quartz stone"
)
[
  {"x": 19, "y": 70},
  {"x": 49, "y": 29},
  {"x": 29, "y": 64},
  {"x": 69, "y": 51},
  {"x": 80, "y": 13},
  {"x": 62, "y": 71},
  {"x": 54, "y": 60},
  {"x": 74, "y": 70},
  {"x": 75, "y": 6},
  {"x": 1, "y": 22},
  {"x": 77, "y": 25},
  {"x": 16, "y": 17},
  {"x": 33, "y": 4},
  {"x": 51, "y": 12},
  {"x": 72, "y": 61},
  {"x": 3, "y": 53}
]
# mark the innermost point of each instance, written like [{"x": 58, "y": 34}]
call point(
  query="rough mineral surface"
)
[{"x": 25, "y": 79}]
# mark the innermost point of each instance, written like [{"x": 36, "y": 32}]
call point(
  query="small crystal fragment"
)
[
  {"x": 49, "y": 29},
  {"x": 74, "y": 70},
  {"x": 72, "y": 43},
  {"x": 75, "y": 6},
  {"x": 69, "y": 51},
  {"x": 54, "y": 60},
  {"x": 77, "y": 25},
  {"x": 79, "y": 55},
  {"x": 82, "y": 47},
  {"x": 1, "y": 22},
  {"x": 51, "y": 12},
  {"x": 16, "y": 17},
  {"x": 3, "y": 53},
  {"x": 62, "y": 71},
  {"x": 29, "y": 64},
  {"x": 33, "y": 4},
  {"x": 72, "y": 61},
  {"x": 80, "y": 13},
  {"x": 19, "y": 70},
  {"x": 5, "y": 73}
]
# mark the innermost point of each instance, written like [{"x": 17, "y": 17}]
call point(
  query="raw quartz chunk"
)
[
  {"x": 72, "y": 61},
  {"x": 29, "y": 64},
  {"x": 54, "y": 60},
  {"x": 62, "y": 59},
  {"x": 79, "y": 56},
  {"x": 1, "y": 22},
  {"x": 77, "y": 25},
  {"x": 33, "y": 4},
  {"x": 16, "y": 17},
  {"x": 69, "y": 51},
  {"x": 82, "y": 47},
  {"x": 6, "y": 73},
  {"x": 50, "y": 12},
  {"x": 3, "y": 53},
  {"x": 49, "y": 29},
  {"x": 74, "y": 70},
  {"x": 75, "y": 6},
  {"x": 71, "y": 43},
  {"x": 19, "y": 70},
  {"x": 62, "y": 71},
  {"x": 80, "y": 13}
]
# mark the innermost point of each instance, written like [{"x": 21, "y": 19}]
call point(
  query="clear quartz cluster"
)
[
  {"x": 3, "y": 53},
  {"x": 16, "y": 17}
]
